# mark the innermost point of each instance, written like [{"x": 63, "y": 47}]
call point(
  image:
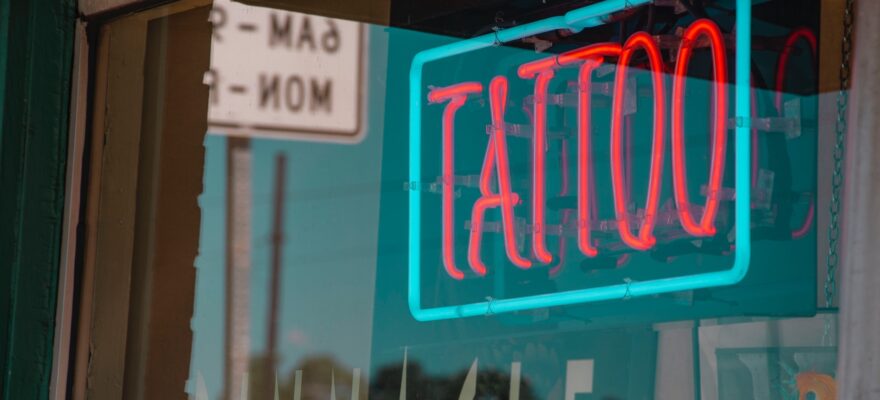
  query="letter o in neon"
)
[
  {"x": 645, "y": 239},
  {"x": 706, "y": 226}
]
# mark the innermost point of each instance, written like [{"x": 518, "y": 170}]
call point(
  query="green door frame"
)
[{"x": 36, "y": 43}]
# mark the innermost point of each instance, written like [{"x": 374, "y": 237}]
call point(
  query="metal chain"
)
[{"x": 839, "y": 147}]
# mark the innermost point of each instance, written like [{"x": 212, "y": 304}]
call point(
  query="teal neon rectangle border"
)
[{"x": 577, "y": 19}]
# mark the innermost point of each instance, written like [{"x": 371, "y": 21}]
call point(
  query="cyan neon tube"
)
[{"x": 575, "y": 20}]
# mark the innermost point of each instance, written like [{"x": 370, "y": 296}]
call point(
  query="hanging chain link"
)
[{"x": 839, "y": 147}]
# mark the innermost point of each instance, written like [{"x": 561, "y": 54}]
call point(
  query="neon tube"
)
[
  {"x": 810, "y": 38},
  {"x": 742, "y": 206},
  {"x": 808, "y": 222},
  {"x": 590, "y": 16},
  {"x": 645, "y": 239},
  {"x": 487, "y": 200},
  {"x": 706, "y": 226},
  {"x": 448, "y": 213},
  {"x": 591, "y": 57},
  {"x": 591, "y": 52},
  {"x": 498, "y": 104},
  {"x": 457, "y": 96},
  {"x": 535, "y": 68},
  {"x": 793, "y": 37},
  {"x": 755, "y": 160},
  {"x": 476, "y": 240},
  {"x": 597, "y": 52},
  {"x": 438, "y": 95},
  {"x": 585, "y": 158},
  {"x": 488, "y": 167},
  {"x": 542, "y": 71},
  {"x": 627, "y": 172}
]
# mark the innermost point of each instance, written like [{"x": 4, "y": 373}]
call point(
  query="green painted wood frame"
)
[{"x": 36, "y": 42}]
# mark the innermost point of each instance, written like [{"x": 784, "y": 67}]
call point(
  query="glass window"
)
[{"x": 608, "y": 201}]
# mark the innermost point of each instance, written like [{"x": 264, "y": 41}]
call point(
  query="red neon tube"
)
[
  {"x": 585, "y": 157},
  {"x": 627, "y": 164},
  {"x": 706, "y": 226},
  {"x": 476, "y": 240},
  {"x": 793, "y": 37},
  {"x": 808, "y": 222},
  {"x": 457, "y": 95},
  {"x": 498, "y": 157},
  {"x": 539, "y": 149},
  {"x": 438, "y": 95},
  {"x": 487, "y": 200},
  {"x": 589, "y": 52},
  {"x": 488, "y": 167},
  {"x": 645, "y": 238},
  {"x": 591, "y": 57},
  {"x": 810, "y": 37},
  {"x": 477, "y": 217},
  {"x": 532, "y": 68},
  {"x": 563, "y": 191}
]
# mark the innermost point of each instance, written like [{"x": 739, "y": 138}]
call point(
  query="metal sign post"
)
[{"x": 238, "y": 264}]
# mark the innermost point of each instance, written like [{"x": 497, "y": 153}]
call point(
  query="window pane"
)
[{"x": 595, "y": 206}]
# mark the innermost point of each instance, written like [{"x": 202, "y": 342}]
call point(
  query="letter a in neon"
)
[{"x": 496, "y": 158}]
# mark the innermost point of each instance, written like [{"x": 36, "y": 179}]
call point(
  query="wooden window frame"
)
[{"x": 143, "y": 160}]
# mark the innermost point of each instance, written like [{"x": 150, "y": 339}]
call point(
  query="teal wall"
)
[{"x": 36, "y": 41}]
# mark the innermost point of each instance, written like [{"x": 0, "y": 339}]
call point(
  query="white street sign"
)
[{"x": 285, "y": 75}]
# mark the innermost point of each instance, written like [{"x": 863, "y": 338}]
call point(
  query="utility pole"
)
[
  {"x": 275, "y": 277},
  {"x": 238, "y": 265}
]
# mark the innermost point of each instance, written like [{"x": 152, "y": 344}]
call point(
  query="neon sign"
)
[{"x": 635, "y": 232}]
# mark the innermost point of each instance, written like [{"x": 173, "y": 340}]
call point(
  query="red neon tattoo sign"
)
[{"x": 636, "y": 232}]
